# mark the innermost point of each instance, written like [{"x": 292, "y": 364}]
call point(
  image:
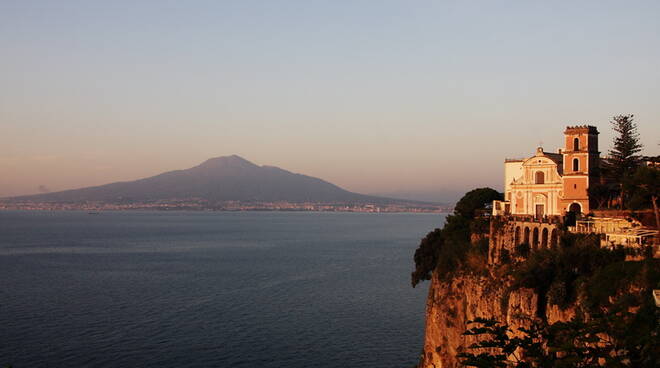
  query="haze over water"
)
[{"x": 200, "y": 289}]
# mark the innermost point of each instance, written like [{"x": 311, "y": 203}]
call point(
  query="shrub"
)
[
  {"x": 522, "y": 250},
  {"x": 444, "y": 250},
  {"x": 426, "y": 256},
  {"x": 614, "y": 278},
  {"x": 476, "y": 261},
  {"x": 558, "y": 294},
  {"x": 505, "y": 256},
  {"x": 556, "y": 273}
]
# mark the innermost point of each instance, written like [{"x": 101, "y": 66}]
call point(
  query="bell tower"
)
[{"x": 581, "y": 161}]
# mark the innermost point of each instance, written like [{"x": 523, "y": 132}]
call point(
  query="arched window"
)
[
  {"x": 544, "y": 238},
  {"x": 540, "y": 177},
  {"x": 576, "y": 164},
  {"x": 575, "y": 207},
  {"x": 576, "y": 144},
  {"x": 535, "y": 238}
]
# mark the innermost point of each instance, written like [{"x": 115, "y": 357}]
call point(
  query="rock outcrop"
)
[
  {"x": 451, "y": 304},
  {"x": 454, "y": 301}
]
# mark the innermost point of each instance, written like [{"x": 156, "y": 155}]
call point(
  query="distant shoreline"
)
[
  {"x": 219, "y": 211},
  {"x": 96, "y": 212},
  {"x": 234, "y": 207}
]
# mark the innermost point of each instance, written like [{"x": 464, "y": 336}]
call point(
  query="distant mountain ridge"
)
[{"x": 227, "y": 178}]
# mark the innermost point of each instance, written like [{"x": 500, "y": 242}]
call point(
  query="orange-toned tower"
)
[{"x": 581, "y": 161}]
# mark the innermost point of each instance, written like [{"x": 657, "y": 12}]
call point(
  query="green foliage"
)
[
  {"x": 505, "y": 257},
  {"x": 426, "y": 256},
  {"x": 607, "y": 286},
  {"x": 558, "y": 294},
  {"x": 499, "y": 348},
  {"x": 624, "y": 155},
  {"x": 555, "y": 273},
  {"x": 570, "y": 219},
  {"x": 480, "y": 225},
  {"x": 616, "y": 277},
  {"x": 644, "y": 187},
  {"x": 522, "y": 250},
  {"x": 456, "y": 236},
  {"x": 614, "y": 340},
  {"x": 474, "y": 200},
  {"x": 623, "y": 159},
  {"x": 443, "y": 251},
  {"x": 602, "y": 194},
  {"x": 476, "y": 258}
]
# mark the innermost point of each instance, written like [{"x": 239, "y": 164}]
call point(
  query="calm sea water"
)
[{"x": 192, "y": 289}]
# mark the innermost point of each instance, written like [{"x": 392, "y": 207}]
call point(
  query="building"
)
[{"x": 551, "y": 184}]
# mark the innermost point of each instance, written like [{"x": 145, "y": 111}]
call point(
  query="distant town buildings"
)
[{"x": 196, "y": 204}]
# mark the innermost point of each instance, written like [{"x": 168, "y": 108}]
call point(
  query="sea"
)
[{"x": 210, "y": 289}]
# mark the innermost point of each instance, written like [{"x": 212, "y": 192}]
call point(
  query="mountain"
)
[{"x": 229, "y": 178}]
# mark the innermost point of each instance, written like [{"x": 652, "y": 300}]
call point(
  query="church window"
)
[
  {"x": 575, "y": 207},
  {"x": 576, "y": 144},
  {"x": 540, "y": 177},
  {"x": 576, "y": 164}
]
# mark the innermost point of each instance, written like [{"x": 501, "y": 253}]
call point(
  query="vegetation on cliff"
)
[
  {"x": 615, "y": 323},
  {"x": 627, "y": 183},
  {"x": 443, "y": 250},
  {"x": 559, "y": 274},
  {"x": 608, "y": 316},
  {"x": 573, "y": 305},
  {"x": 613, "y": 340}
]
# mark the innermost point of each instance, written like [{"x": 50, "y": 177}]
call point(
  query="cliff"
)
[
  {"x": 552, "y": 281},
  {"x": 451, "y": 304}
]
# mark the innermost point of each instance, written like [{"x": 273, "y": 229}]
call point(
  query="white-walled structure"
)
[{"x": 551, "y": 184}]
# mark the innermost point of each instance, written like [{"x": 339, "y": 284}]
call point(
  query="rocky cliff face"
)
[
  {"x": 451, "y": 304},
  {"x": 480, "y": 274},
  {"x": 454, "y": 301}
]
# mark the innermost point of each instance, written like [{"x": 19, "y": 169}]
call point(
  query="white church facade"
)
[{"x": 551, "y": 184}]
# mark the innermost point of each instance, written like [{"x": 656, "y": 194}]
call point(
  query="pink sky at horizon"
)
[{"x": 424, "y": 100}]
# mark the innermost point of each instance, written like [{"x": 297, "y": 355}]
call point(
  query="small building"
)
[{"x": 616, "y": 231}]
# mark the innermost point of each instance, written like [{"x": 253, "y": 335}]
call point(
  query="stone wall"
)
[{"x": 507, "y": 233}]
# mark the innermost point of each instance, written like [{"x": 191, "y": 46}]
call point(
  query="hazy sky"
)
[{"x": 422, "y": 98}]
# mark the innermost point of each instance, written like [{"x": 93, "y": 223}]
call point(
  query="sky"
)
[{"x": 419, "y": 99}]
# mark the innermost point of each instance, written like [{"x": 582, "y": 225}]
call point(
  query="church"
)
[{"x": 551, "y": 184}]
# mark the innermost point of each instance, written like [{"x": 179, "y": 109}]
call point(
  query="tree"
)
[
  {"x": 426, "y": 256},
  {"x": 601, "y": 194},
  {"x": 624, "y": 156},
  {"x": 645, "y": 188},
  {"x": 612, "y": 340},
  {"x": 443, "y": 250},
  {"x": 474, "y": 200},
  {"x": 500, "y": 348}
]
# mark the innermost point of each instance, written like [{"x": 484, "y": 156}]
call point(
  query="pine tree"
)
[{"x": 624, "y": 156}]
